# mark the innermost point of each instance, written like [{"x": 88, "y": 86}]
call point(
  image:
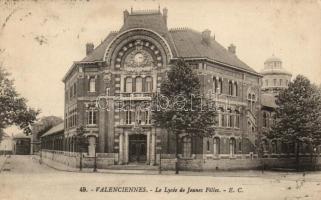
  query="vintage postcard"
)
[{"x": 160, "y": 99}]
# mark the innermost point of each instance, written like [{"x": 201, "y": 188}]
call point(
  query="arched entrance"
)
[{"x": 137, "y": 148}]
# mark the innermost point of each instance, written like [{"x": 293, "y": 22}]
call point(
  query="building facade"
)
[{"x": 127, "y": 69}]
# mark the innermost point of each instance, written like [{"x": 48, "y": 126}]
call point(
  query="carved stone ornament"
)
[
  {"x": 138, "y": 60},
  {"x": 107, "y": 77}
]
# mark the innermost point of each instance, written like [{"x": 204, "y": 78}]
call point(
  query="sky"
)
[{"x": 39, "y": 40}]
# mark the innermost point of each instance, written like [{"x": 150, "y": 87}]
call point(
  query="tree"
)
[
  {"x": 298, "y": 114},
  {"x": 13, "y": 107},
  {"x": 44, "y": 124},
  {"x": 180, "y": 106}
]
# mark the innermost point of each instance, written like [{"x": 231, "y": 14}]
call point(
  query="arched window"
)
[
  {"x": 149, "y": 84},
  {"x": 221, "y": 117},
  {"x": 251, "y": 99},
  {"x": 139, "y": 84},
  {"x": 284, "y": 147},
  {"x": 231, "y": 117},
  {"x": 128, "y": 84},
  {"x": 208, "y": 145},
  {"x": 265, "y": 145},
  {"x": 220, "y": 85},
  {"x": 92, "y": 84},
  {"x": 281, "y": 82},
  {"x": 235, "y": 89},
  {"x": 232, "y": 146},
  {"x": 274, "y": 146},
  {"x": 237, "y": 119},
  {"x": 186, "y": 146},
  {"x": 230, "y": 88},
  {"x": 265, "y": 120},
  {"x": 215, "y": 85},
  {"x": 216, "y": 146}
]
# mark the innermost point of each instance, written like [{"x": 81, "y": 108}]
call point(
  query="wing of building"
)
[{"x": 129, "y": 66}]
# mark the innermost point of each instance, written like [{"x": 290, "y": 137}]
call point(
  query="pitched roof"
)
[
  {"x": 153, "y": 21},
  {"x": 268, "y": 100},
  {"x": 189, "y": 43},
  {"x": 54, "y": 130},
  {"x": 99, "y": 51}
]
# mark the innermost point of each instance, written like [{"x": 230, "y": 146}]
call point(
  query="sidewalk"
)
[{"x": 234, "y": 173}]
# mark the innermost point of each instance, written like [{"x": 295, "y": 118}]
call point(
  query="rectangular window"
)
[
  {"x": 75, "y": 90},
  {"x": 237, "y": 121},
  {"x": 92, "y": 84},
  {"x": 92, "y": 117},
  {"x": 128, "y": 117},
  {"x": 274, "y": 82},
  {"x": 147, "y": 117}
]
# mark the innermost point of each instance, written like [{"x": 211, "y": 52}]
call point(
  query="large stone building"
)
[{"x": 129, "y": 67}]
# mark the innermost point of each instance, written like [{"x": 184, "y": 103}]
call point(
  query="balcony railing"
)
[{"x": 136, "y": 95}]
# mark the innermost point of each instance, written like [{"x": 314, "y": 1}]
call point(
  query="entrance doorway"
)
[{"x": 137, "y": 148}]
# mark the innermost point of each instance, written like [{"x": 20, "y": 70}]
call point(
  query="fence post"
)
[{"x": 80, "y": 160}]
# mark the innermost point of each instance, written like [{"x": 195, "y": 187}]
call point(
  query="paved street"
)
[{"x": 26, "y": 179}]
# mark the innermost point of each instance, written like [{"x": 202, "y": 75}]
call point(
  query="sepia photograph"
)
[{"x": 160, "y": 99}]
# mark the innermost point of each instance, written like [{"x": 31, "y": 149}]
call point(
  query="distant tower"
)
[{"x": 275, "y": 77}]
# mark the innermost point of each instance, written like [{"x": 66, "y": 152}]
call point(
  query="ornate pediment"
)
[{"x": 139, "y": 55}]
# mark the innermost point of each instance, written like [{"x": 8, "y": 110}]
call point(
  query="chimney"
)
[
  {"x": 126, "y": 13},
  {"x": 232, "y": 48},
  {"x": 206, "y": 36},
  {"x": 165, "y": 11},
  {"x": 89, "y": 48}
]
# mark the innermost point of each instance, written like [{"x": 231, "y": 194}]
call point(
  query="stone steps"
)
[{"x": 133, "y": 167}]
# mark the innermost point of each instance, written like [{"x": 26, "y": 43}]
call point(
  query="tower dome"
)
[{"x": 275, "y": 77}]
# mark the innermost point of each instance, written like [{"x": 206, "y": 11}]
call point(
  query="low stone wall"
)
[
  {"x": 291, "y": 163},
  {"x": 238, "y": 163},
  {"x": 70, "y": 160},
  {"x": 73, "y": 159}
]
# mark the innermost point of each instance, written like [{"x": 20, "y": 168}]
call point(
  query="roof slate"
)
[
  {"x": 154, "y": 21},
  {"x": 56, "y": 129},
  {"x": 188, "y": 43}
]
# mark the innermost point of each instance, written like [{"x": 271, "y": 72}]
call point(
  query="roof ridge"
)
[
  {"x": 145, "y": 11},
  {"x": 179, "y": 29}
]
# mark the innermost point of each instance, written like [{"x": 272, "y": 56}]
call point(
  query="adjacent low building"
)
[
  {"x": 6, "y": 144},
  {"x": 21, "y": 144}
]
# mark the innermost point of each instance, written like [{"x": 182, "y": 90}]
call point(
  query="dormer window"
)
[{"x": 92, "y": 84}]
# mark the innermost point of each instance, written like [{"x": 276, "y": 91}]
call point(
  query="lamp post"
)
[
  {"x": 95, "y": 159},
  {"x": 160, "y": 161}
]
